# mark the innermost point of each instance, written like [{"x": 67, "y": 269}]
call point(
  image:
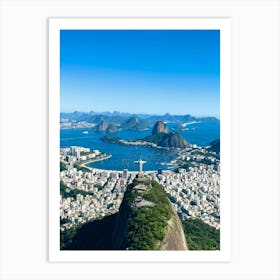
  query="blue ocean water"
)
[{"x": 123, "y": 157}]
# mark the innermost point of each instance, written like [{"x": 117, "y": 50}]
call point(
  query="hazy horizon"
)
[{"x": 135, "y": 113}]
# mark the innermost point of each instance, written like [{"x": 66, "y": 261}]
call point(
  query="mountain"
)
[
  {"x": 119, "y": 118},
  {"x": 159, "y": 127},
  {"x": 101, "y": 127},
  {"x": 146, "y": 220},
  {"x": 170, "y": 118},
  {"x": 76, "y": 116},
  {"x": 112, "y": 128},
  {"x": 215, "y": 146},
  {"x": 168, "y": 140},
  {"x": 133, "y": 123},
  {"x": 97, "y": 118},
  {"x": 162, "y": 138}
]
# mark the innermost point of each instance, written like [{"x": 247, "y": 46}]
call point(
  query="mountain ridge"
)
[{"x": 119, "y": 118}]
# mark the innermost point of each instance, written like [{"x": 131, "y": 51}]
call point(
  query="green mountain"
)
[
  {"x": 146, "y": 220},
  {"x": 112, "y": 128},
  {"x": 159, "y": 136},
  {"x": 119, "y": 118},
  {"x": 201, "y": 236},
  {"x": 215, "y": 146},
  {"x": 169, "y": 140},
  {"x": 162, "y": 138},
  {"x": 133, "y": 123},
  {"x": 103, "y": 126}
]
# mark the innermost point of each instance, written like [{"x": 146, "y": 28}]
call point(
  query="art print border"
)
[{"x": 222, "y": 24}]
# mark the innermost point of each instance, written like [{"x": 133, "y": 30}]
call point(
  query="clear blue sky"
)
[{"x": 140, "y": 71}]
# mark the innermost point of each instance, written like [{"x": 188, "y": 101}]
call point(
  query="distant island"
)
[
  {"x": 132, "y": 123},
  {"x": 103, "y": 126},
  {"x": 160, "y": 138}
]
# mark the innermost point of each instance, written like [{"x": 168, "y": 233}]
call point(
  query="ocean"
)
[{"x": 123, "y": 157}]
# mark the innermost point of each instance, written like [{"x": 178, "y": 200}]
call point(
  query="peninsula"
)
[{"x": 160, "y": 138}]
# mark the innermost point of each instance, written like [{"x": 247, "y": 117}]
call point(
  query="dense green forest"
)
[
  {"x": 172, "y": 140},
  {"x": 201, "y": 236},
  {"x": 94, "y": 235},
  {"x": 62, "y": 166},
  {"x": 147, "y": 225}
]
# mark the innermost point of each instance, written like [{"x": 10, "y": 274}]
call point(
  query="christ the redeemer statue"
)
[{"x": 140, "y": 162}]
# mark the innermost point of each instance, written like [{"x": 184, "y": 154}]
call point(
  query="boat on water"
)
[{"x": 85, "y": 132}]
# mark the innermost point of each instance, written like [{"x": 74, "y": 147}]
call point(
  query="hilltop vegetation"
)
[
  {"x": 201, "y": 236},
  {"x": 145, "y": 221},
  {"x": 215, "y": 146},
  {"x": 168, "y": 140},
  {"x": 94, "y": 235},
  {"x": 162, "y": 138},
  {"x": 62, "y": 166},
  {"x": 134, "y": 123},
  {"x": 146, "y": 225}
]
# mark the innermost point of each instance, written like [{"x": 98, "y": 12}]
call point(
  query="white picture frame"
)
[
  {"x": 24, "y": 128},
  {"x": 221, "y": 24}
]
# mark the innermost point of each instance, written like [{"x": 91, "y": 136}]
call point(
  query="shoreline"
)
[
  {"x": 84, "y": 163},
  {"x": 187, "y": 123},
  {"x": 140, "y": 143},
  {"x": 120, "y": 171},
  {"x": 170, "y": 164}
]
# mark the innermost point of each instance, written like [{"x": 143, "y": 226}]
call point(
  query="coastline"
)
[
  {"x": 84, "y": 163},
  {"x": 139, "y": 143},
  {"x": 187, "y": 123}
]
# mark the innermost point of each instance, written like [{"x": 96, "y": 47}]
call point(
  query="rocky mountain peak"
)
[{"x": 159, "y": 127}]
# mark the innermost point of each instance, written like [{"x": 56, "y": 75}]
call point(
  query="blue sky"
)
[{"x": 140, "y": 71}]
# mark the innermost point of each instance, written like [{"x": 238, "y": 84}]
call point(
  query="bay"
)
[{"x": 123, "y": 157}]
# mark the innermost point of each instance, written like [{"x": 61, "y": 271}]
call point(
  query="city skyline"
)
[{"x": 142, "y": 71}]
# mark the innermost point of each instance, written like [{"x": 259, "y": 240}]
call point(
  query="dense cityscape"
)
[{"x": 87, "y": 193}]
